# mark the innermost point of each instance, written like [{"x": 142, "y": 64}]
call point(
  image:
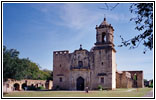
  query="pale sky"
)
[{"x": 36, "y": 30}]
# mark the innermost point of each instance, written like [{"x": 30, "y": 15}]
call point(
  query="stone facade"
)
[
  {"x": 82, "y": 68},
  {"x": 139, "y": 79},
  {"x": 18, "y": 85},
  {"x": 125, "y": 79}
]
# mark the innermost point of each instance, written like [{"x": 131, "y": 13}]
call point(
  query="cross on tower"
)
[
  {"x": 104, "y": 17},
  {"x": 80, "y": 47}
]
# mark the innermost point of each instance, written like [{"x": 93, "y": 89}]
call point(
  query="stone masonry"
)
[
  {"x": 125, "y": 79},
  {"x": 18, "y": 85},
  {"x": 83, "y": 68}
]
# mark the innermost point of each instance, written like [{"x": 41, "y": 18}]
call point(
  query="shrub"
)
[
  {"x": 151, "y": 85},
  {"x": 57, "y": 87},
  {"x": 99, "y": 87},
  {"x": 41, "y": 88},
  {"x": 32, "y": 88}
]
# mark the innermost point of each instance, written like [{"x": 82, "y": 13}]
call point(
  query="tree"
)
[
  {"x": 10, "y": 59},
  {"x": 49, "y": 74},
  {"x": 17, "y": 68},
  {"x": 144, "y": 24}
]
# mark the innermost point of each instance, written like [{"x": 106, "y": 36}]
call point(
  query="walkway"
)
[{"x": 149, "y": 94}]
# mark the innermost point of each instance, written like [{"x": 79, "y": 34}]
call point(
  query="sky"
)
[{"x": 38, "y": 29}]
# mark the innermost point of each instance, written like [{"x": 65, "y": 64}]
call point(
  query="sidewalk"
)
[{"x": 149, "y": 94}]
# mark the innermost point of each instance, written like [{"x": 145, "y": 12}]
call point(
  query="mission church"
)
[{"x": 83, "y": 68}]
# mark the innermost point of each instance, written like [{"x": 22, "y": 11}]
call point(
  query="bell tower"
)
[
  {"x": 104, "y": 34},
  {"x": 104, "y": 56}
]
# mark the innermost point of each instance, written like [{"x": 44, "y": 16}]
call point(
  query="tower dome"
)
[{"x": 105, "y": 24}]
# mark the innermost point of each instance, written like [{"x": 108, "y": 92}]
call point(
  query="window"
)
[
  {"x": 80, "y": 64},
  {"x": 60, "y": 79},
  {"x": 99, "y": 51},
  {"x": 102, "y": 63},
  {"x": 103, "y": 37},
  {"x": 102, "y": 80}
]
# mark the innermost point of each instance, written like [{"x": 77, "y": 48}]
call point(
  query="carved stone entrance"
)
[{"x": 80, "y": 83}]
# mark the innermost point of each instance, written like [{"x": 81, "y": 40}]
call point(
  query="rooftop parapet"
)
[{"x": 61, "y": 52}]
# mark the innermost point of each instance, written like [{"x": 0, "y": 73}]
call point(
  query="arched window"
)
[
  {"x": 103, "y": 37},
  {"x": 60, "y": 79},
  {"x": 80, "y": 64},
  {"x": 102, "y": 79}
]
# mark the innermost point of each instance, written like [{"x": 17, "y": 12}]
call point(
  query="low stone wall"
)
[
  {"x": 140, "y": 79},
  {"x": 125, "y": 79},
  {"x": 15, "y": 85}
]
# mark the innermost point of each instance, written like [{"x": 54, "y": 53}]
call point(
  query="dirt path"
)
[
  {"x": 149, "y": 94},
  {"x": 130, "y": 90}
]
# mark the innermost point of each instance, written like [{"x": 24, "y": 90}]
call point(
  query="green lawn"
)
[{"x": 111, "y": 93}]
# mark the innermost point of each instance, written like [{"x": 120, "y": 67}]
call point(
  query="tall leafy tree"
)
[
  {"x": 16, "y": 68},
  {"x": 10, "y": 58},
  {"x": 144, "y": 25}
]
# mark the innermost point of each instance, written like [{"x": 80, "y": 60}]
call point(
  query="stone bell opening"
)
[
  {"x": 80, "y": 83},
  {"x": 103, "y": 37}
]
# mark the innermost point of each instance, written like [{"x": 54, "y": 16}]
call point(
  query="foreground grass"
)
[{"x": 110, "y": 93}]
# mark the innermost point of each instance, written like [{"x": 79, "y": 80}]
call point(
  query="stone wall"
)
[
  {"x": 140, "y": 78},
  {"x": 91, "y": 66},
  {"x": 61, "y": 69},
  {"x": 123, "y": 80},
  {"x": 97, "y": 67},
  {"x": 103, "y": 68},
  {"x": 9, "y": 85},
  {"x": 71, "y": 69}
]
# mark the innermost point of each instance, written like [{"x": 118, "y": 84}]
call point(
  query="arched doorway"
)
[
  {"x": 16, "y": 87},
  {"x": 80, "y": 83},
  {"x": 24, "y": 85}
]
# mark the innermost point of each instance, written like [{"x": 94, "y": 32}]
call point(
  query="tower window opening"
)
[{"x": 103, "y": 37}]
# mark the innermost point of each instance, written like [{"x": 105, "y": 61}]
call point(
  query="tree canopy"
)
[
  {"x": 17, "y": 68},
  {"x": 144, "y": 24}
]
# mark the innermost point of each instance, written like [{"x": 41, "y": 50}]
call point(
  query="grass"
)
[{"x": 111, "y": 93}]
